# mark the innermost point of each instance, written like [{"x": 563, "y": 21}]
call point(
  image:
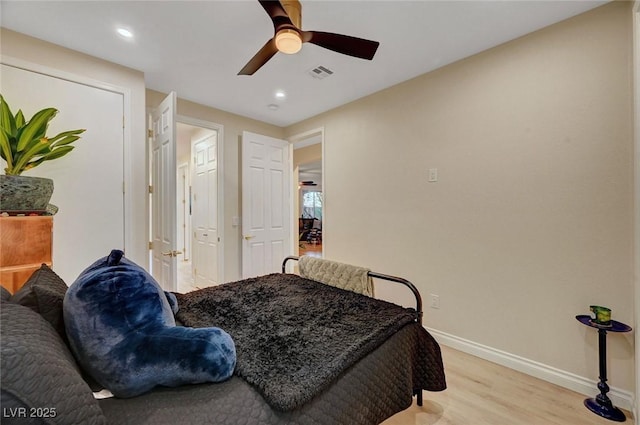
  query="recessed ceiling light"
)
[
  {"x": 273, "y": 107},
  {"x": 125, "y": 32},
  {"x": 280, "y": 94}
]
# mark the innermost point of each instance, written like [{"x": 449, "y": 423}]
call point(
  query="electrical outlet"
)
[{"x": 435, "y": 301}]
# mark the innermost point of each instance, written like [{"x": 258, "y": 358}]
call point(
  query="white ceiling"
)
[{"x": 196, "y": 48}]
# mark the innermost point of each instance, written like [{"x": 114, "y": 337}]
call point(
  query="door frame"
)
[
  {"x": 210, "y": 125},
  {"x": 296, "y": 140},
  {"x": 184, "y": 171}
]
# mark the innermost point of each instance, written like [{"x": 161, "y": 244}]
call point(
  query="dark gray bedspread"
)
[
  {"x": 367, "y": 393},
  {"x": 294, "y": 336}
]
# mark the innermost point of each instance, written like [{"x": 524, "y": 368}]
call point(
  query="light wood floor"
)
[
  {"x": 484, "y": 393},
  {"x": 311, "y": 249}
]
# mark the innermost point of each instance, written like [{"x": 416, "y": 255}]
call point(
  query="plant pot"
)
[{"x": 24, "y": 194}]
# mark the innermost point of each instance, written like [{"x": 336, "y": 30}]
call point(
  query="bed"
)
[
  {"x": 297, "y": 362},
  {"x": 307, "y": 353}
]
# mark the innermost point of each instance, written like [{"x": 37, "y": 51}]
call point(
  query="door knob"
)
[
  {"x": 248, "y": 237},
  {"x": 172, "y": 253}
]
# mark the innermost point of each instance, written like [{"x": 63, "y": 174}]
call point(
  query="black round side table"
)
[{"x": 601, "y": 404}]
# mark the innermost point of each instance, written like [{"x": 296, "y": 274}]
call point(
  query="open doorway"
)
[
  {"x": 308, "y": 209},
  {"x": 199, "y": 204}
]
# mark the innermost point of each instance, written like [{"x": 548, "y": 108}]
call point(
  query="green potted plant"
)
[{"x": 25, "y": 145}]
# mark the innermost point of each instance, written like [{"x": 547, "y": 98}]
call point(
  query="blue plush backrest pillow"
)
[{"x": 122, "y": 331}]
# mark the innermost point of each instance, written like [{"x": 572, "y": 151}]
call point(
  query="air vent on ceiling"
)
[{"x": 320, "y": 72}]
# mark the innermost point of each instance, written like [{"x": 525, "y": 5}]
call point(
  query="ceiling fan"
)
[{"x": 286, "y": 16}]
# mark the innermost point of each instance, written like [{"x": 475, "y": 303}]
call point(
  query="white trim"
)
[
  {"x": 571, "y": 381},
  {"x": 219, "y": 128},
  {"x": 126, "y": 129}
]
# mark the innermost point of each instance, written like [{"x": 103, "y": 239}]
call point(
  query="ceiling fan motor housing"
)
[{"x": 294, "y": 10}]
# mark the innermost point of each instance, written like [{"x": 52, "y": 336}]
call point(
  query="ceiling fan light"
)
[{"x": 288, "y": 41}]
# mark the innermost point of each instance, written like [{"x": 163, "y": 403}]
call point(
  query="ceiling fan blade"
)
[
  {"x": 345, "y": 44},
  {"x": 260, "y": 58},
  {"x": 276, "y": 12}
]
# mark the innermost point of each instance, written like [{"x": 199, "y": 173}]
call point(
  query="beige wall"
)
[
  {"x": 43, "y": 54},
  {"x": 234, "y": 125},
  {"x": 531, "y": 220}
]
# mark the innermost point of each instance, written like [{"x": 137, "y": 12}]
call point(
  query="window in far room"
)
[{"x": 312, "y": 205}]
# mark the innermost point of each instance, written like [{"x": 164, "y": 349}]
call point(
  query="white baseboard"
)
[{"x": 620, "y": 398}]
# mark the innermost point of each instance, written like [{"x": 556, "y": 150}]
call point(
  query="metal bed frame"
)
[{"x": 405, "y": 282}]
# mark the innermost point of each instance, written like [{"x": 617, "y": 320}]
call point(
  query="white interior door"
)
[
  {"x": 163, "y": 204},
  {"x": 88, "y": 182},
  {"x": 266, "y": 200},
  {"x": 205, "y": 211}
]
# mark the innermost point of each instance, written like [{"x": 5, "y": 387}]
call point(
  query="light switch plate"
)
[{"x": 433, "y": 175}]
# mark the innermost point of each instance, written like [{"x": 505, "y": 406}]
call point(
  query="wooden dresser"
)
[{"x": 25, "y": 243}]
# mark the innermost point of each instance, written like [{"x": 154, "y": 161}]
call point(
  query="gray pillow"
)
[
  {"x": 43, "y": 293},
  {"x": 39, "y": 372}
]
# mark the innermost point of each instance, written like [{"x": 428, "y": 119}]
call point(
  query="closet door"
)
[{"x": 89, "y": 181}]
